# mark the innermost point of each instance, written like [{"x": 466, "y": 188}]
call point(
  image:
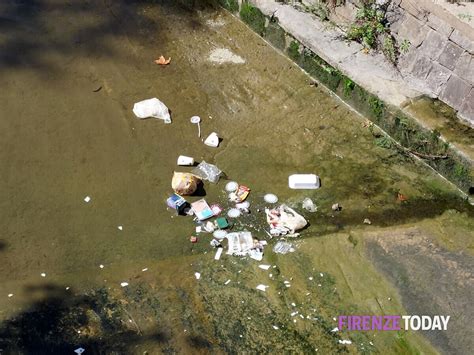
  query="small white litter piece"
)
[
  {"x": 219, "y": 234},
  {"x": 304, "y": 181},
  {"x": 197, "y": 275},
  {"x": 67, "y": 288},
  {"x": 282, "y": 247},
  {"x": 243, "y": 205},
  {"x": 79, "y": 351},
  {"x": 196, "y": 120},
  {"x": 264, "y": 267},
  {"x": 234, "y": 213},
  {"x": 321, "y": 274},
  {"x": 275, "y": 327},
  {"x": 227, "y": 282},
  {"x": 270, "y": 198},
  {"x": 293, "y": 304},
  {"x": 335, "y": 330},
  {"x": 145, "y": 269},
  {"x": 120, "y": 228},
  {"x": 294, "y": 313},
  {"x": 212, "y": 140},
  {"x": 262, "y": 287},
  {"x": 185, "y": 161},
  {"x": 43, "y": 274},
  {"x": 101, "y": 266},
  {"x": 10, "y": 295},
  {"x": 124, "y": 284},
  {"x": 310, "y": 278},
  {"x": 231, "y": 186},
  {"x": 345, "y": 342},
  {"x": 87, "y": 198},
  {"x": 218, "y": 253}
]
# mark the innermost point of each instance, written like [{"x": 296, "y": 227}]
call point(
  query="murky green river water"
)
[{"x": 70, "y": 72}]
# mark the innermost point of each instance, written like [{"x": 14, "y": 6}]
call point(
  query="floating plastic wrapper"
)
[{"x": 207, "y": 172}]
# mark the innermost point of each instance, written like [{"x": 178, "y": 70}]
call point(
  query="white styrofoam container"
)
[
  {"x": 185, "y": 161},
  {"x": 304, "y": 181}
]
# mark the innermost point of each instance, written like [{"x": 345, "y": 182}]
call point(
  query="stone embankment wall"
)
[
  {"x": 441, "y": 55},
  {"x": 379, "y": 96}
]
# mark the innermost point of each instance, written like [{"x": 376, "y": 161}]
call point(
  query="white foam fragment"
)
[
  {"x": 218, "y": 253},
  {"x": 10, "y": 295},
  {"x": 87, "y": 198},
  {"x": 293, "y": 304},
  {"x": 345, "y": 342},
  {"x": 294, "y": 313},
  {"x": 120, "y": 228},
  {"x": 197, "y": 275},
  {"x": 275, "y": 327},
  {"x": 101, "y": 266},
  {"x": 335, "y": 330},
  {"x": 227, "y": 282},
  {"x": 310, "y": 278},
  {"x": 43, "y": 274},
  {"x": 262, "y": 287},
  {"x": 145, "y": 269},
  {"x": 124, "y": 284},
  {"x": 264, "y": 267},
  {"x": 321, "y": 274}
]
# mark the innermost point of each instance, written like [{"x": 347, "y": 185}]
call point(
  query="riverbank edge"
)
[{"x": 408, "y": 133}]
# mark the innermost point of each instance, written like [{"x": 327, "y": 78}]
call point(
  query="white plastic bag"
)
[
  {"x": 284, "y": 221},
  {"x": 152, "y": 108}
]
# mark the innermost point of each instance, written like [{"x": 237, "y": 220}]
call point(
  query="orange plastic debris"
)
[
  {"x": 401, "y": 197},
  {"x": 163, "y": 61}
]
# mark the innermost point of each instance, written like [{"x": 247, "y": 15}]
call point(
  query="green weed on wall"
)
[
  {"x": 231, "y": 5},
  {"x": 253, "y": 17}
]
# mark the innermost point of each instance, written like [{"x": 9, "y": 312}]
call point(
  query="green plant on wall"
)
[
  {"x": 231, "y": 5},
  {"x": 349, "y": 86},
  {"x": 405, "y": 46},
  {"x": 370, "y": 30},
  {"x": 253, "y": 17},
  {"x": 294, "y": 50}
]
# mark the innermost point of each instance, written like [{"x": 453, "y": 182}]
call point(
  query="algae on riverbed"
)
[{"x": 63, "y": 140}]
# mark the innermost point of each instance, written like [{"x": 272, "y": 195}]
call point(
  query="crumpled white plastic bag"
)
[
  {"x": 284, "y": 220},
  {"x": 152, "y": 108}
]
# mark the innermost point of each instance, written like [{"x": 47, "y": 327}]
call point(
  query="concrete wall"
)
[
  {"x": 441, "y": 55},
  {"x": 441, "y": 52}
]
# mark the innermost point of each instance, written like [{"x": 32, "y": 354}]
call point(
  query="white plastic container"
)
[
  {"x": 185, "y": 161},
  {"x": 212, "y": 140},
  {"x": 304, "y": 181}
]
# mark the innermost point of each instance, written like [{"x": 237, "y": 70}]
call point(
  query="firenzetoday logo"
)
[{"x": 386, "y": 323}]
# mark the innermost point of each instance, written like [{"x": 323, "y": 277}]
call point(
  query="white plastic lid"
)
[
  {"x": 270, "y": 198},
  {"x": 231, "y": 186},
  {"x": 233, "y": 213},
  {"x": 219, "y": 234}
]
